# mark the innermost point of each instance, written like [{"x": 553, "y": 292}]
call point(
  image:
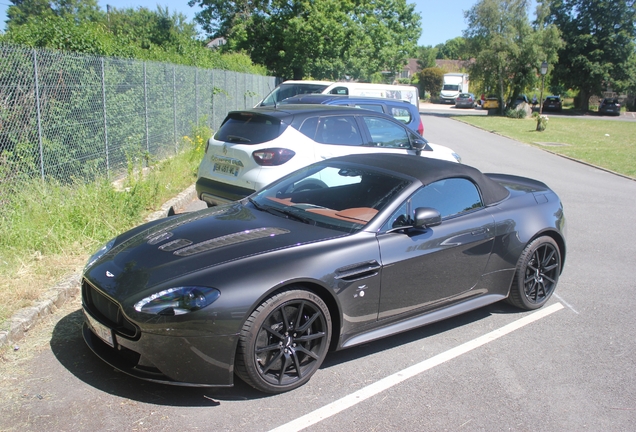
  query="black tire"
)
[
  {"x": 284, "y": 341},
  {"x": 537, "y": 274}
]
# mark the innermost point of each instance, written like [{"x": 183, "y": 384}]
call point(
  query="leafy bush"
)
[{"x": 515, "y": 113}]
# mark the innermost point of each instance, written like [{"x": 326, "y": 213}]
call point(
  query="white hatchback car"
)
[{"x": 254, "y": 147}]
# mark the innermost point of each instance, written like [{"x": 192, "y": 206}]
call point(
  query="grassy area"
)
[
  {"x": 604, "y": 143},
  {"x": 50, "y": 229}
]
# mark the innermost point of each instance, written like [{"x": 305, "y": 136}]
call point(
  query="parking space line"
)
[
  {"x": 566, "y": 304},
  {"x": 392, "y": 380}
]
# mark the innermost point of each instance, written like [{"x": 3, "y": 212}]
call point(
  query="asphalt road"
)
[{"x": 571, "y": 369}]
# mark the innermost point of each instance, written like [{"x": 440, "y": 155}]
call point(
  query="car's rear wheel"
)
[
  {"x": 536, "y": 275},
  {"x": 284, "y": 341}
]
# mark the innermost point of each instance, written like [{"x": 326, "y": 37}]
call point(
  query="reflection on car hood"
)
[{"x": 184, "y": 244}]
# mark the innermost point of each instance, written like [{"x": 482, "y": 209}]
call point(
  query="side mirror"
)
[
  {"x": 426, "y": 217},
  {"x": 419, "y": 145}
]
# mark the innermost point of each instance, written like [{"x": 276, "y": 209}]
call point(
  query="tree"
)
[
  {"x": 508, "y": 51},
  {"x": 327, "y": 39},
  {"x": 453, "y": 49},
  {"x": 21, "y": 10},
  {"x": 146, "y": 28},
  {"x": 426, "y": 56},
  {"x": 79, "y": 10},
  {"x": 128, "y": 33},
  {"x": 431, "y": 80},
  {"x": 599, "y": 43}
]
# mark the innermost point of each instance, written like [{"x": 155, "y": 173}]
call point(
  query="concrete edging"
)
[{"x": 24, "y": 319}]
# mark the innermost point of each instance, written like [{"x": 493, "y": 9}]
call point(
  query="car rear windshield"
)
[
  {"x": 285, "y": 91},
  {"x": 249, "y": 128},
  {"x": 464, "y": 96}
]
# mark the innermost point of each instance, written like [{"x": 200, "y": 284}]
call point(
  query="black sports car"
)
[{"x": 339, "y": 253}]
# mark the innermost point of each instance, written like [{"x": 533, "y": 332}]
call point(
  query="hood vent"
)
[
  {"x": 174, "y": 245},
  {"x": 159, "y": 238},
  {"x": 230, "y": 239}
]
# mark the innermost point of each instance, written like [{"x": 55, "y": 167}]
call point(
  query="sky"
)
[{"x": 441, "y": 20}]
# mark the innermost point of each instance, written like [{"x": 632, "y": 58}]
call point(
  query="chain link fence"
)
[{"x": 69, "y": 117}]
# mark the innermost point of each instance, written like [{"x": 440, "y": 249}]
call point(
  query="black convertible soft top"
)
[{"x": 428, "y": 170}]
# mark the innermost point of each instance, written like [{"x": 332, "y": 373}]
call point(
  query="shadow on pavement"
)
[
  {"x": 374, "y": 347},
  {"x": 69, "y": 348},
  {"x": 71, "y": 351}
]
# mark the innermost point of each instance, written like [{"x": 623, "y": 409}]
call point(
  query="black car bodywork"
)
[
  {"x": 610, "y": 106},
  {"x": 265, "y": 286},
  {"x": 552, "y": 103}
]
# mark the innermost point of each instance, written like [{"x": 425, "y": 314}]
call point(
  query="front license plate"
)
[
  {"x": 100, "y": 330},
  {"x": 226, "y": 169}
]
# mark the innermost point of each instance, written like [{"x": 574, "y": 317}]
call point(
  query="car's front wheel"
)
[
  {"x": 284, "y": 341},
  {"x": 536, "y": 275}
]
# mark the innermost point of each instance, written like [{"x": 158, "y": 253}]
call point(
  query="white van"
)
[{"x": 292, "y": 88}]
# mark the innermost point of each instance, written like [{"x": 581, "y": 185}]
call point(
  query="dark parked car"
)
[
  {"x": 610, "y": 106},
  {"x": 465, "y": 100},
  {"x": 337, "y": 254},
  {"x": 401, "y": 110},
  {"x": 552, "y": 103}
]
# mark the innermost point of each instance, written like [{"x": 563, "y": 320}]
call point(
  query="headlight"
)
[
  {"x": 178, "y": 301},
  {"x": 457, "y": 157},
  {"x": 100, "y": 253}
]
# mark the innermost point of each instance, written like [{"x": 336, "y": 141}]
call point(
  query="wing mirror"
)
[
  {"x": 426, "y": 217},
  {"x": 419, "y": 145}
]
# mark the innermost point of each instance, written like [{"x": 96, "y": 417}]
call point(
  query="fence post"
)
[
  {"x": 146, "y": 108},
  {"x": 196, "y": 94},
  {"x": 174, "y": 107},
  {"x": 105, "y": 123},
  {"x": 37, "y": 106}
]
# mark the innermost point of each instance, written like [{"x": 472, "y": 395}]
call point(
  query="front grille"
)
[{"x": 107, "y": 311}]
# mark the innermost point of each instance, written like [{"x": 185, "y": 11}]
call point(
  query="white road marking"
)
[
  {"x": 566, "y": 303},
  {"x": 392, "y": 380}
]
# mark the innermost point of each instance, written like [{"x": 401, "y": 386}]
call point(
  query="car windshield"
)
[
  {"x": 285, "y": 91},
  {"x": 464, "y": 96},
  {"x": 337, "y": 196}
]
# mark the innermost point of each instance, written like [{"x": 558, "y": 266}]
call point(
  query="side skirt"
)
[{"x": 421, "y": 320}]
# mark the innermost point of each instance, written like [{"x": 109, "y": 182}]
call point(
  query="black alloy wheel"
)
[
  {"x": 284, "y": 341},
  {"x": 537, "y": 274}
]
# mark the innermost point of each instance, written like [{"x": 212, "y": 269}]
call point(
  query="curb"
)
[{"x": 24, "y": 319}]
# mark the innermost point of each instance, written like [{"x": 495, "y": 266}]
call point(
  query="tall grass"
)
[{"x": 49, "y": 229}]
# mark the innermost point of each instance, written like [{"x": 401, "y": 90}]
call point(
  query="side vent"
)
[{"x": 358, "y": 271}]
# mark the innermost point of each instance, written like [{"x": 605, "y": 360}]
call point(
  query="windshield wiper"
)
[{"x": 289, "y": 214}]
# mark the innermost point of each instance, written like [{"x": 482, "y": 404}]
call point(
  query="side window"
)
[
  {"x": 385, "y": 133},
  {"x": 372, "y": 107},
  {"x": 339, "y": 91},
  {"x": 309, "y": 126},
  {"x": 401, "y": 114},
  {"x": 342, "y": 130},
  {"x": 450, "y": 197},
  {"x": 399, "y": 218}
]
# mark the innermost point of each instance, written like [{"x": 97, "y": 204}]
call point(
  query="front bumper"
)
[{"x": 206, "y": 361}]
